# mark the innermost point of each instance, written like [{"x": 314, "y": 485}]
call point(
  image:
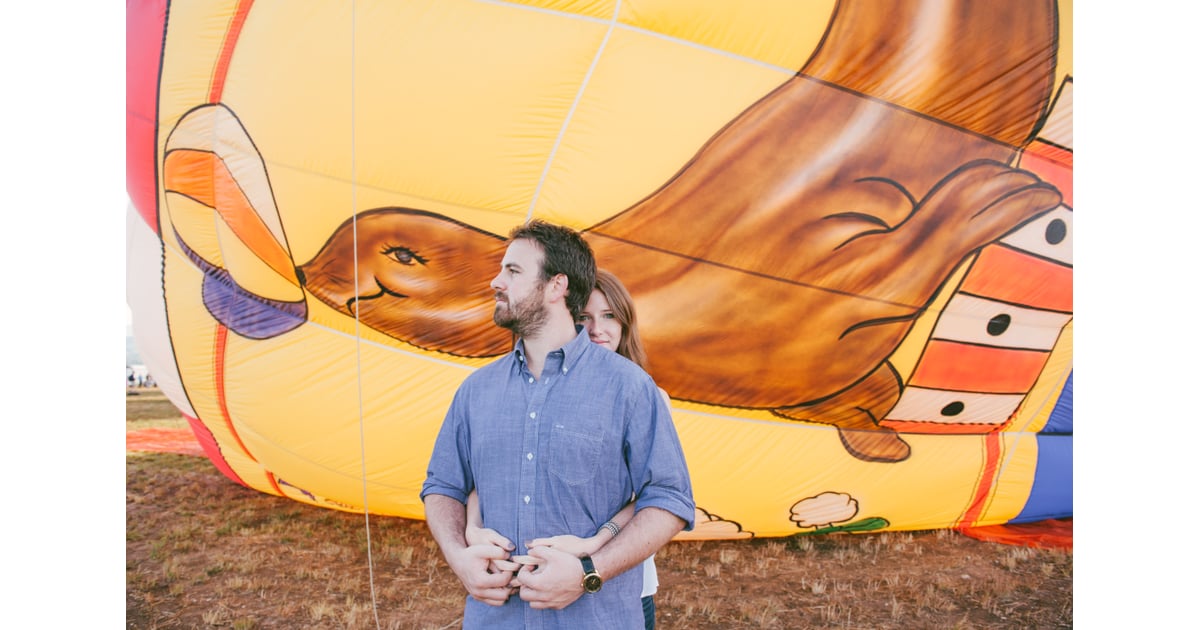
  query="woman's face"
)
[{"x": 601, "y": 323}]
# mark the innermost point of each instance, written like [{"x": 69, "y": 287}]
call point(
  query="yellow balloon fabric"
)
[{"x": 846, "y": 227}]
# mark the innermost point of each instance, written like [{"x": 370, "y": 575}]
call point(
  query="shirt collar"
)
[
  {"x": 576, "y": 348},
  {"x": 571, "y": 352}
]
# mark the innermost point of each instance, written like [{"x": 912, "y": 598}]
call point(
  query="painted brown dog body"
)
[{"x": 783, "y": 265}]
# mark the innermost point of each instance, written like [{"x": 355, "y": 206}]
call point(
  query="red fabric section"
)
[
  {"x": 965, "y": 367},
  {"x": 163, "y": 440},
  {"x": 212, "y": 449},
  {"x": 1055, "y": 533},
  {"x": 1053, "y": 164},
  {"x": 219, "y": 377},
  {"x": 987, "y": 478},
  {"x": 1015, "y": 277},
  {"x": 143, "y": 52},
  {"x": 196, "y": 440},
  {"x": 231, "y": 38}
]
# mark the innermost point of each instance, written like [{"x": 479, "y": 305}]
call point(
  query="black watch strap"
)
[{"x": 591, "y": 580}]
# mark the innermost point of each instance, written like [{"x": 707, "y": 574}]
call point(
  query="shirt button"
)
[
  {"x": 530, "y": 379},
  {"x": 533, "y": 414},
  {"x": 564, "y": 370},
  {"x": 529, "y": 456},
  {"x": 526, "y": 499}
]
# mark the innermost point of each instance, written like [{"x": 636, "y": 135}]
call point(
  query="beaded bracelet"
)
[{"x": 611, "y": 527}]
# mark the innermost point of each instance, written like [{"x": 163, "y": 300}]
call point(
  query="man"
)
[{"x": 556, "y": 436}]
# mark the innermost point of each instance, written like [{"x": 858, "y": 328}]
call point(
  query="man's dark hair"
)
[{"x": 564, "y": 251}]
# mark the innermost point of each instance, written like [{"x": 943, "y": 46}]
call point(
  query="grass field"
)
[{"x": 202, "y": 551}]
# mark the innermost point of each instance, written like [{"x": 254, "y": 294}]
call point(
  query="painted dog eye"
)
[{"x": 403, "y": 255}]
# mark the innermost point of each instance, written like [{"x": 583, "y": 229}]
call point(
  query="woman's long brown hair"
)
[{"x": 621, "y": 304}]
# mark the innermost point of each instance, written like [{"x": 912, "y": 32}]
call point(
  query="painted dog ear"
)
[{"x": 222, "y": 211}]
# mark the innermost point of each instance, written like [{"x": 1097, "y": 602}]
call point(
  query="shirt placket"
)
[{"x": 532, "y": 442}]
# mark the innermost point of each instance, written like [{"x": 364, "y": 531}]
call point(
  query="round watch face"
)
[{"x": 592, "y": 583}]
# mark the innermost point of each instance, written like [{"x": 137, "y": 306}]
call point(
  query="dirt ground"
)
[{"x": 202, "y": 551}]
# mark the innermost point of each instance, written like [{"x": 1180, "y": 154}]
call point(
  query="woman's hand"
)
[
  {"x": 573, "y": 545},
  {"x": 490, "y": 537},
  {"x": 486, "y": 536}
]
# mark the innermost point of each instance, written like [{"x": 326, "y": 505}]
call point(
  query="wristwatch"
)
[{"x": 591, "y": 580}]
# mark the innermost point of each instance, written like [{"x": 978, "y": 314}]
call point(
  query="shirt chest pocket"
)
[{"x": 574, "y": 456}]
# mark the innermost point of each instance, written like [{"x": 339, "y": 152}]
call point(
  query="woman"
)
[{"x": 610, "y": 321}]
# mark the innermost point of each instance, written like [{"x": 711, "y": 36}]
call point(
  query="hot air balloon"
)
[{"x": 846, "y": 225}]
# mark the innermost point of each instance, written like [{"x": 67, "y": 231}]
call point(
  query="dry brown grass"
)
[{"x": 202, "y": 551}]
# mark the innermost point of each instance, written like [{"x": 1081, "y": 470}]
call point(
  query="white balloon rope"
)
[
  {"x": 562, "y": 130},
  {"x": 362, "y": 440}
]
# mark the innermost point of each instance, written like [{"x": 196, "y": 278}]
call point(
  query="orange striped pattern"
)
[
  {"x": 940, "y": 428},
  {"x": 964, "y": 367},
  {"x": 205, "y": 178},
  {"x": 217, "y": 88},
  {"x": 219, "y": 345},
  {"x": 987, "y": 480},
  {"x": 1010, "y": 276},
  {"x": 1053, "y": 164}
]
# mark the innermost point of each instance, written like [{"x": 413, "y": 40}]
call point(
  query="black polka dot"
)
[
  {"x": 998, "y": 324},
  {"x": 953, "y": 409},
  {"x": 1056, "y": 231}
]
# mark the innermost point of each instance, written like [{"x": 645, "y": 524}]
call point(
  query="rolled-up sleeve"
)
[
  {"x": 449, "y": 472},
  {"x": 660, "y": 473}
]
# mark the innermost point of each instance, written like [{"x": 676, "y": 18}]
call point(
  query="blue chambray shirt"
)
[{"x": 561, "y": 455}]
